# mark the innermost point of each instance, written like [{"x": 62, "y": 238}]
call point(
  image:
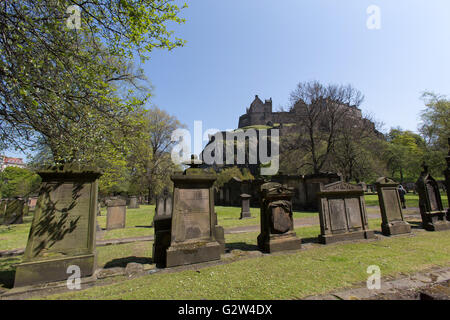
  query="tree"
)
[
  {"x": 227, "y": 174},
  {"x": 325, "y": 110},
  {"x": 404, "y": 154},
  {"x": 18, "y": 182},
  {"x": 356, "y": 153},
  {"x": 62, "y": 85},
  {"x": 435, "y": 129},
  {"x": 150, "y": 157}
]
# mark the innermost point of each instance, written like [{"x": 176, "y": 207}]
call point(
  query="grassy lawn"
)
[
  {"x": 412, "y": 200},
  {"x": 314, "y": 271}
]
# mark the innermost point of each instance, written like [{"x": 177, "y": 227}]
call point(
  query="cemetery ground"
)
[{"x": 244, "y": 272}]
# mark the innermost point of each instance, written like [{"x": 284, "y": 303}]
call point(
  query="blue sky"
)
[{"x": 238, "y": 48}]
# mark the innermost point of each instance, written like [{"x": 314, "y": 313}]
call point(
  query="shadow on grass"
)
[
  {"x": 310, "y": 240},
  {"x": 122, "y": 262},
  {"x": 8, "y": 272},
  {"x": 415, "y": 224},
  {"x": 149, "y": 227},
  {"x": 241, "y": 246}
]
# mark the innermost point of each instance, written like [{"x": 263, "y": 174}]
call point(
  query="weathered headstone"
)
[
  {"x": 14, "y": 211},
  {"x": 277, "y": 224},
  {"x": 193, "y": 229},
  {"x": 116, "y": 213},
  {"x": 342, "y": 213},
  {"x": 162, "y": 222},
  {"x": 62, "y": 233},
  {"x": 430, "y": 203},
  {"x": 447, "y": 179},
  {"x": 32, "y": 203},
  {"x": 391, "y": 209},
  {"x": 245, "y": 207},
  {"x": 133, "y": 203}
]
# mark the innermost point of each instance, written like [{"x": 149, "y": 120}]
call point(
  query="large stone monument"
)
[
  {"x": 245, "y": 206},
  {"x": 447, "y": 179},
  {"x": 116, "y": 213},
  {"x": 162, "y": 222},
  {"x": 62, "y": 233},
  {"x": 430, "y": 203},
  {"x": 193, "y": 226},
  {"x": 134, "y": 204},
  {"x": 342, "y": 213},
  {"x": 277, "y": 224},
  {"x": 391, "y": 209},
  {"x": 14, "y": 211}
]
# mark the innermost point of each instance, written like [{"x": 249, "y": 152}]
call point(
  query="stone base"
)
[
  {"x": 245, "y": 215},
  {"x": 190, "y": 253},
  {"x": 397, "y": 227},
  {"x": 437, "y": 226},
  {"x": 356, "y": 235},
  {"x": 31, "y": 273},
  {"x": 275, "y": 243}
]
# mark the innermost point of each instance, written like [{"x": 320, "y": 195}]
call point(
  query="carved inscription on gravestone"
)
[
  {"x": 194, "y": 206},
  {"x": 390, "y": 197},
  {"x": 63, "y": 219}
]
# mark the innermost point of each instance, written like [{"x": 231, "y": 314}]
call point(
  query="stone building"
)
[{"x": 260, "y": 113}]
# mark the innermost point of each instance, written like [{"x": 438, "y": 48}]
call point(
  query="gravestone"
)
[
  {"x": 62, "y": 233},
  {"x": 245, "y": 207},
  {"x": 14, "y": 211},
  {"x": 391, "y": 209},
  {"x": 342, "y": 213},
  {"x": 430, "y": 203},
  {"x": 116, "y": 213},
  {"x": 277, "y": 224},
  {"x": 447, "y": 179},
  {"x": 193, "y": 226},
  {"x": 162, "y": 222},
  {"x": 133, "y": 203}
]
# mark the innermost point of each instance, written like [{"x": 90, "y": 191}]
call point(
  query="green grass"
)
[
  {"x": 290, "y": 276},
  {"x": 15, "y": 236},
  {"x": 412, "y": 200}
]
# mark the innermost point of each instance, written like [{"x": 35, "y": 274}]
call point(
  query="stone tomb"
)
[
  {"x": 133, "y": 203},
  {"x": 14, "y": 211},
  {"x": 277, "y": 224},
  {"x": 162, "y": 222},
  {"x": 391, "y": 209},
  {"x": 62, "y": 233},
  {"x": 193, "y": 223},
  {"x": 116, "y": 213},
  {"x": 342, "y": 213},
  {"x": 245, "y": 206},
  {"x": 430, "y": 203}
]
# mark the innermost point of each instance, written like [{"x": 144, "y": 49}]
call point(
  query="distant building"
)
[{"x": 11, "y": 162}]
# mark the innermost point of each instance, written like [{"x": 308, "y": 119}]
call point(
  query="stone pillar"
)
[
  {"x": 116, "y": 214},
  {"x": 342, "y": 213},
  {"x": 245, "y": 207},
  {"x": 193, "y": 227},
  {"x": 14, "y": 211},
  {"x": 62, "y": 233},
  {"x": 133, "y": 203},
  {"x": 430, "y": 203},
  {"x": 277, "y": 224},
  {"x": 391, "y": 209}
]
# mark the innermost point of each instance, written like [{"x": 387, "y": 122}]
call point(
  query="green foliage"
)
[
  {"x": 227, "y": 174},
  {"x": 73, "y": 89},
  {"x": 18, "y": 182}
]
